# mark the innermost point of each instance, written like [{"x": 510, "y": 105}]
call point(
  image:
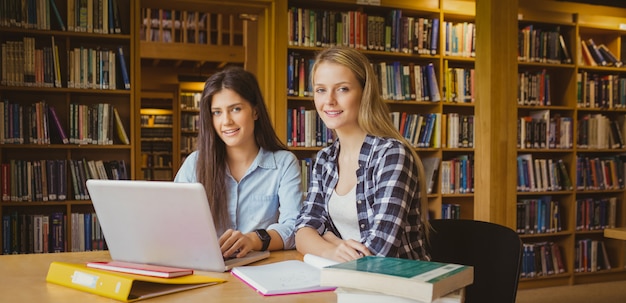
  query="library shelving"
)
[
  {"x": 410, "y": 65},
  {"x": 570, "y": 154},
  {"x": 189, "y": 102},
  {"x": 67, "y": 93},
  {"x": 181, "y": 43},
  {"x": 604, "y": 106},
  {"x": 157, "y": 139}
]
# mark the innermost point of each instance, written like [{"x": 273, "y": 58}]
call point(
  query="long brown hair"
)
[
  {"x": 211, "y": 164},
  {"x": 373, "y": 115}
]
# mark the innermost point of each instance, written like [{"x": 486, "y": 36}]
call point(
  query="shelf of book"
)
[
  {"x": 189, "y": 94},
  {"x": 184, "y": 31},
  {"x": 412, "y": 76},
  {"x": 67, "y": 111},
  {"x": 156, "y": 135},
  {"x": 570, "y": 154}
]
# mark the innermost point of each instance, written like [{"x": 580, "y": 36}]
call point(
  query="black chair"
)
[{"x": 494, "y": 250}]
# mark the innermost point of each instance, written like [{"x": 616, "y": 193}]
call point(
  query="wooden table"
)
[
  {"x": 615, "y": 233},
  {"x": 23, "y": 279}
]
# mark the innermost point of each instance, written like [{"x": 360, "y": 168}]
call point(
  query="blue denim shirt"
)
[
  {"x": 268, "y": 196},
  {"x": 387, "y": 198}
]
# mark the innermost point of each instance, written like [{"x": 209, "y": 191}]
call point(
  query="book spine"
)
[
  {"x": 61, "y": 183},
  {"x": 432, "y": 82},
  {"x": 119, "y": 126},
  {"x": 434, "y": 42},
  {"x": 123, "y": 68},
  {"x": 59, "y": 127}
]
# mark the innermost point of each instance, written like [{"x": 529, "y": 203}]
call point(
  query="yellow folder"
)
[{"x": 121, "y": 286}]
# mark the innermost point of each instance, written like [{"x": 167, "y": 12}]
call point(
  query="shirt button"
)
[
  {"x": 362, "y": 225},
  {"x": 358, "y": 202}
]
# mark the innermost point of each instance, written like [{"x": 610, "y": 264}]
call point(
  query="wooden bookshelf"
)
[
  {"x": 61, "y": 88},
  {"x": 577, "y": 23},
  {"x": 189, "y": 99},
  {"x": 157, "y": 139},
  {"x": 401, "y": 103},
  {"x": 495, "y": 155}
]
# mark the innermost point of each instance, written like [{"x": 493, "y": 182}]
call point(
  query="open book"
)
[{"x": 285, "y": 277}]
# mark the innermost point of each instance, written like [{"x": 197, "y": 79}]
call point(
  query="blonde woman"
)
[{"x": 365, "y": 196}]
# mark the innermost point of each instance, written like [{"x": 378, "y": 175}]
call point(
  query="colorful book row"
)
[
  {"x": 459, "y": 39},
  {"x": 90, "y": 16},
  {"x": 88, "y": 68},
  {"x": 421, "y": 130},
  {"x": 190, "y": 100},
  {"x": 47, "y": 180},
  {"x": 545, "y": 45},
  {"x": 83, "y": 170},
  {"x": 34, "y": 180},
  {"x": 541, "y": 130},
  {"x": 533, "y": 88},
  {"x": 541, "y": 175},
  {"x": 458, "y": 84},
  {"x": 597, "y": 131},
  {"x": 596, "y": 214},
  {"x": 457, "y": 175},
  {"x": 25, "y": 65},
  {"x": 450, "y": 211},
  {"x": 24, "y": 233},
  {"x": 392, "y": 33},
  {"x": 600, "y": 173},
  {"x": 176, "y": 26},
  {"x": 306, "y": 129},
  {"x": 397, "y": 80},
  {"x": 541, "y": 259},
  {"x": 593, "y": 54},
  {"x": 39, "y": 123},
  {"x": 538, "y": 216},
  {"x": 591, "y": 256},
  {"x": 595, "y": 90}
]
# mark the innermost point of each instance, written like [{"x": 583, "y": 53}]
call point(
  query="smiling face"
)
[
  {"x": 337, "y": 95},
  {"x": 233, "y": 118}
]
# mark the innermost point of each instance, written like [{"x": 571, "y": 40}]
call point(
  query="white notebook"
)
[{"x": 285, "y": 277}]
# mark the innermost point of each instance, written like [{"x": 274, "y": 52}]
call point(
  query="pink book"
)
[
  {"x": 141, "y": 269},
  {"x": 58, "y": 125}
]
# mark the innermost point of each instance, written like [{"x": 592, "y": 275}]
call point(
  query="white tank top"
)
[{"x": 343, "y": 212}]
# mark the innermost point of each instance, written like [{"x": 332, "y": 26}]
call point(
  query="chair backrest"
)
[{"x": 494, "y": 250}]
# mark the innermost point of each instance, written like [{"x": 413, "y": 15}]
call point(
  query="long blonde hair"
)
[{"x": 374, "y": 117}]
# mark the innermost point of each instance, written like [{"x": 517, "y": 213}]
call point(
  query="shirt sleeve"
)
[
  {"x": 313, "y": 212},
  {"x": 187, "y": 171},
  {"x": 290, "y": 199},
  {"x": 395, "y": 191}
]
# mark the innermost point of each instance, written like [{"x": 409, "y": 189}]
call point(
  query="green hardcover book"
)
[{"x": 418, "y": 280}]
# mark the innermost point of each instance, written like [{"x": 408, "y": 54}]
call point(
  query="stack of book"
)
[{"x": 385, "y": 279}]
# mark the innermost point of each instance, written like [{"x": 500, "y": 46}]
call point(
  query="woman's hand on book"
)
[{"x": 347, "y": 250}]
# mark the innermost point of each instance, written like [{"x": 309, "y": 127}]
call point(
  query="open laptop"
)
[{"x": 161, "y": 223}]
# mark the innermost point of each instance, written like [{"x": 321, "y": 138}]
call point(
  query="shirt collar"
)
[
  {"x": 367, "y": 143},
  {"x": 265, "y": 159}
]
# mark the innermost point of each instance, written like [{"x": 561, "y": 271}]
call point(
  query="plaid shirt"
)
[{"x": 387, "y": 193}]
